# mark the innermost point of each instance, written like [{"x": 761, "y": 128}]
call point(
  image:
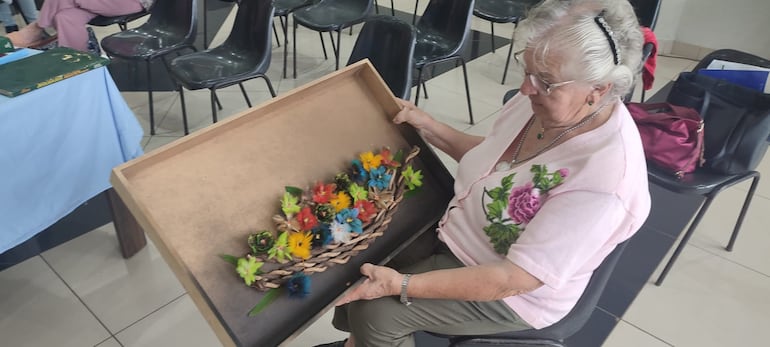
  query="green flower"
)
[
  {"x": 248, "y": 268},
  {"x": 289, "y": 205},
  {"x": 342, "y": 180},
  {"x": 280, "y": 250},
  {"x": 358, "y": 192},
  {"x": 413, "y": 178},
  {"x": 260, "y": 242},
  {"x": 325, "y": 213}
]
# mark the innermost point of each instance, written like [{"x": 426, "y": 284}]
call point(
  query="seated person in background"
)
[
  {"x": 28, "y": 10},
  {"x": 511, "y": 253},
  {"x": 69, "y": 18}
]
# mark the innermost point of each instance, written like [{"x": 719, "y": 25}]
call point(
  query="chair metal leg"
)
[
  {"x": 376, "y": 7},
  {"x": 414, "y": 15},
  {"x": 184, "y": 110},
  {"x": 294, "y": 46},
  {"x": 744, "y": 209},
  {"x": 392, "y": 9},
  {"x": 467, "y": 89},
  {"x": 285, "y": 27},
  {"x": 510, "y": 50},
  {"x": 642, "y": 100},
  {"x": 122, "y": 25},
  {"x": 219, "y": 105},
  {"x": 213, "y": 108},
  {"x": 686, "y": 238},
  {"x": 492, "y": 37},
  {"x": 245, "y": 96},
  {"x": 420, "y": 84},
  {"x": 269, "y": 85},
  {"x": 323, "y": 45},
  {"x": 205, "y": 26},
  {"x": 337, "y": 49},
  {"x": 149, "y": 96},
  {"x": 275, "y": 32},
  {"x": 425, "y": 90}
]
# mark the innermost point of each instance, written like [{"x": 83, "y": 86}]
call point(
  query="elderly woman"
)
[
  {"x": 70, "y": 17},
  {"x": 539, "y": 203}
]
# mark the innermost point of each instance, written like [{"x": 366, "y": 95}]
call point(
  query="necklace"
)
[
  {"x": 505, "y": 166},
  {"x": 541, "y": 133}
]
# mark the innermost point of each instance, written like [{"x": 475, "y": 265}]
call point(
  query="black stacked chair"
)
[
  {"x": 388, "y": 43},
  {"x": 170, "y": 28},
  {"x": 121, "y": 21},
  {"x": 555, "y": 334},
  {"x": 243, "y": 56},
  {"x": 283, "y": 8},
  {"x": 441, "y": 33},
  {"x": 647, "y": 13},
  {"x": 329, "y": 16},
  {"x": 703, "y": 181},
  {"x": 503, "y": 11}
]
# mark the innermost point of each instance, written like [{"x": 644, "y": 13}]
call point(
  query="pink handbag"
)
[{"x": 672, "y": 136}]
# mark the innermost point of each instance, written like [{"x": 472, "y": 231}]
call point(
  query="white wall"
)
[{"x": 715, "y": 24}]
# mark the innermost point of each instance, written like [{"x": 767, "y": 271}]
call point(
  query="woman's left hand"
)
[{"x": 380, "y": 281}]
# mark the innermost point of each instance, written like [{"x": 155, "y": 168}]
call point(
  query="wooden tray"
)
[{"x": 202, "y": 195}]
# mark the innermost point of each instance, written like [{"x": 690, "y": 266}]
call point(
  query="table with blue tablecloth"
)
[{"x": 59, "y": 145}]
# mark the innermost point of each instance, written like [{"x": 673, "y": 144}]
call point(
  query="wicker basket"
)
[{"x": 276, "y": 273}]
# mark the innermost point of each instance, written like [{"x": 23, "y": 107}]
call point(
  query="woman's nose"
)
[{"x": 527, "y": 88}]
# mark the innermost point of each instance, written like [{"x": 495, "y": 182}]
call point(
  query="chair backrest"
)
[
  {"x": 450, "y": 18},
  {"x": 176, "y": 17},
  {"x": 251, "y": 31},
  {"x": 389, "y": 44},
  {"x": 579, "y": 314},
  {"x": 646, "y": 11},
  {"x": 732, "y": 56}
]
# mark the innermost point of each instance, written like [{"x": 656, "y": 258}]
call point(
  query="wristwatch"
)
[{"x": 405, "y": 282}]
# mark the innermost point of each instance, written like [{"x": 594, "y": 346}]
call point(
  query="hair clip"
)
[{"x": 602, "y": 23}]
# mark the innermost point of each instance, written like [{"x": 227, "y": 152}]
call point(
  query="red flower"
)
[
  {"x": 323, "y": 192},
  {"x": 306, "y": 219},
  {"x": 387, "y": 158},
  {"x": 366, "y": 210}
]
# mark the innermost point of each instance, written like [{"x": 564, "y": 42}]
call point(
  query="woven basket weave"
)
[{"x": 322, "y": 258}]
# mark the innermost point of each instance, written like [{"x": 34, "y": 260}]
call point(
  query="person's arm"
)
[
  {"x": 449, "y": 140},
  {"x": 485, "y": 282}
]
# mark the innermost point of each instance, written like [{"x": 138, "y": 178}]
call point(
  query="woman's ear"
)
[{"x": 599, "y": 92}]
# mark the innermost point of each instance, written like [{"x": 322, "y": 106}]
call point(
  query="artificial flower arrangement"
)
[
  {"x": 521, "y": 203},
  {"x": 326, "y": 224}
]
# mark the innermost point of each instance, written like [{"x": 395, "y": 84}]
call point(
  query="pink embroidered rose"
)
[
  {"x": 523, "y": 203},
  {"x": 563, "y": 172}
]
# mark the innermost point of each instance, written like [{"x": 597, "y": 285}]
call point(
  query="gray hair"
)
[{"x": 580, "y": 35}]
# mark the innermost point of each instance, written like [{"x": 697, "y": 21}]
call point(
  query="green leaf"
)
[
  {"x": 507, "y": 182},
  {"x": 230, "y": 259},
  {"x": 269, "y": 297},
  {"x": 399, "y": 156},
  {"x": 294, "y": 191},
  {"x": 495, "y": 209},
  {"x": 495, "y": 193}
]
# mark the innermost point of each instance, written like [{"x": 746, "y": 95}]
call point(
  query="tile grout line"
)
[
  {"x": 646, "y": 332},
  {"x": 149, "y": 314},
  {"x": 78, "y": 297}
]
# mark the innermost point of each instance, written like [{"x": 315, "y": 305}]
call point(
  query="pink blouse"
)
[{"x": 603, "y": 201}]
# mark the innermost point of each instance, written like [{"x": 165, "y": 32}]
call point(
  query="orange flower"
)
[{"x": 340, "y": 202}]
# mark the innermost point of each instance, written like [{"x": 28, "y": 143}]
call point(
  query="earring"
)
[{"x": 590, "y": 103}]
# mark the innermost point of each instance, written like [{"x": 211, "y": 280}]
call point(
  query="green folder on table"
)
[{"x": 37, "y": 71}]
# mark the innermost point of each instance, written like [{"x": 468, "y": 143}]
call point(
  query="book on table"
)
[{"x": 39, "y": 70}]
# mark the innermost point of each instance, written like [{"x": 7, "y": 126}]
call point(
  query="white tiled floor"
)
[{"x": 83, "y": 293}]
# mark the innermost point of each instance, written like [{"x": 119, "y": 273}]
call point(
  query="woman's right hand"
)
[{"x": 412, "y": 115}]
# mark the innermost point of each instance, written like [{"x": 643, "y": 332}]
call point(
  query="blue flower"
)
[
  {"x": 298, "y": 285},
  {"x": 349, "y": 216},
  {"x": 322, "y": 235},
  {"x": 359, "y": 174},
  {"x": 340, "y": 232},
  {"x": 379, "y": 178}
]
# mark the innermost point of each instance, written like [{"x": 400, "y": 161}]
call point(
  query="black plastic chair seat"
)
[
  {"x": 502, "y": 11},
  {"x": 333, "y": 17},
  {"x": 284, "y": 7},
  {"x": 700, "y": 182},
  {"x": 143, "y": 43},
  {"x": 216, "y": 68},
  {"x": 432, "y": 45},
  {"x": 102, "y": 21}
]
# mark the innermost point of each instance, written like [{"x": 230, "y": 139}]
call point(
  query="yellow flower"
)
[
  {"x": 340, "y": 202},
  {"x": 300, "y": 244},
  {"x": 370, "y": 160}
]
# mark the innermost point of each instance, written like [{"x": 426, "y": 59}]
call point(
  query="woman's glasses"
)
[{"x": 542, "y": 86}]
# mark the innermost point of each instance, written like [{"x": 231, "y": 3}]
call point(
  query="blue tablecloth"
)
[{"x": 58, "y": 147}]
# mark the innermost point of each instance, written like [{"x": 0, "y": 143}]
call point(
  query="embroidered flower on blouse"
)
[{"x": 521, "y": 203}]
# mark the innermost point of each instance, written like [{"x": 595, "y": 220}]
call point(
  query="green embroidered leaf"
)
[
  {"x": 294, "y": 191},
  {"x": 495, "y": 193},
  {"x": 507, "y": 182},
  {"x": 495, "y": 209},
  {"x": 269, "y": 297},
  {"x": 230, "y": 259}
]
